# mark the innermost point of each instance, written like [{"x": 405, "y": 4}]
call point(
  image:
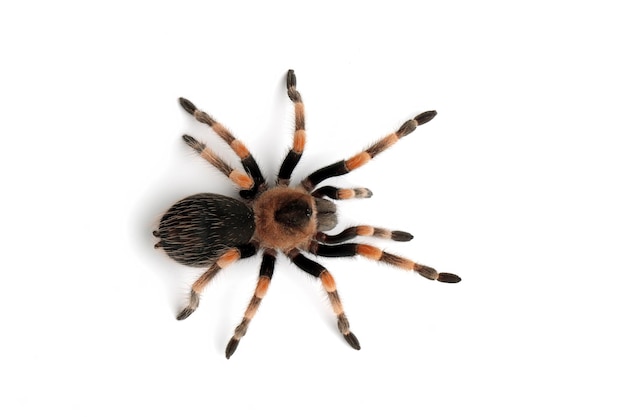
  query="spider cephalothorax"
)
[{"x": 212, "y": 230}]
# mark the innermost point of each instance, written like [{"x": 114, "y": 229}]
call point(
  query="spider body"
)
[
  {"x": 212, "y": 230},
  {"x": 196, "y": 230}
]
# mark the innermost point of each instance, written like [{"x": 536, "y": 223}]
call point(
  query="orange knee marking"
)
[
  {"x": 228, "y": 258},
  {"x": 364, "y": 230},
  {"x": 328, "y": 282},
  {"x": 299, "y": 139},
  {"x": 368, "y": 251},
  {"x": 262, "y": 286},
  {"x": 346, "y": 193},
  {"x": 358, "y": 160},
  {"x": 241, "y": 179},
  {"x": 240, "y": 149}
]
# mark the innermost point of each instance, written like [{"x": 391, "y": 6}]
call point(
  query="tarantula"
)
[{"x": 212, "y": 230}]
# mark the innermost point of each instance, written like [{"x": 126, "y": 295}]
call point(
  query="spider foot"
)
[
  {"x": 187, "y": 105},
  {"x": 356, "y": 193},
  {"x": 448, "y": 277},
  {"x": 400, "y": 236},
  {"x": 293, "y": 94},
  {"x": 352, "y": 341},
  {"x": 291, "y": 79},
  {"x": 194, "y": 300},
  {"x": 425, "y": 117},
  {"x": 432, "y": 274},
  {"x": 184, "y": 313},
  {"x": 231, "y": 347}
]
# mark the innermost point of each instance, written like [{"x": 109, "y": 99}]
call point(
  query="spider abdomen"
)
[{"x": 198, "y": 229}]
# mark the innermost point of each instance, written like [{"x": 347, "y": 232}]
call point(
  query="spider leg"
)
[
  {"x": 341, "y": 193},
  {"x": 361, "y": 158},
  {"x": 299, "y": 135},
  {"x": 265, "y": 276},
  {"x": 363, "y": 230},
  {"x": 376, "y": 254},
  {"x": 230, "y": 256},
  {"x": 328, "y": 282},
  {"x": 247, "y": 160},
  {"x": 241, "y": 179}
]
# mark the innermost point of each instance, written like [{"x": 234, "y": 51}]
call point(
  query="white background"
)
[{"x": 517, "y": 186}]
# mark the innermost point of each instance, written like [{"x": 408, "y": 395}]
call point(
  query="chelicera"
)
[{"x": 213, "y": 231}]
